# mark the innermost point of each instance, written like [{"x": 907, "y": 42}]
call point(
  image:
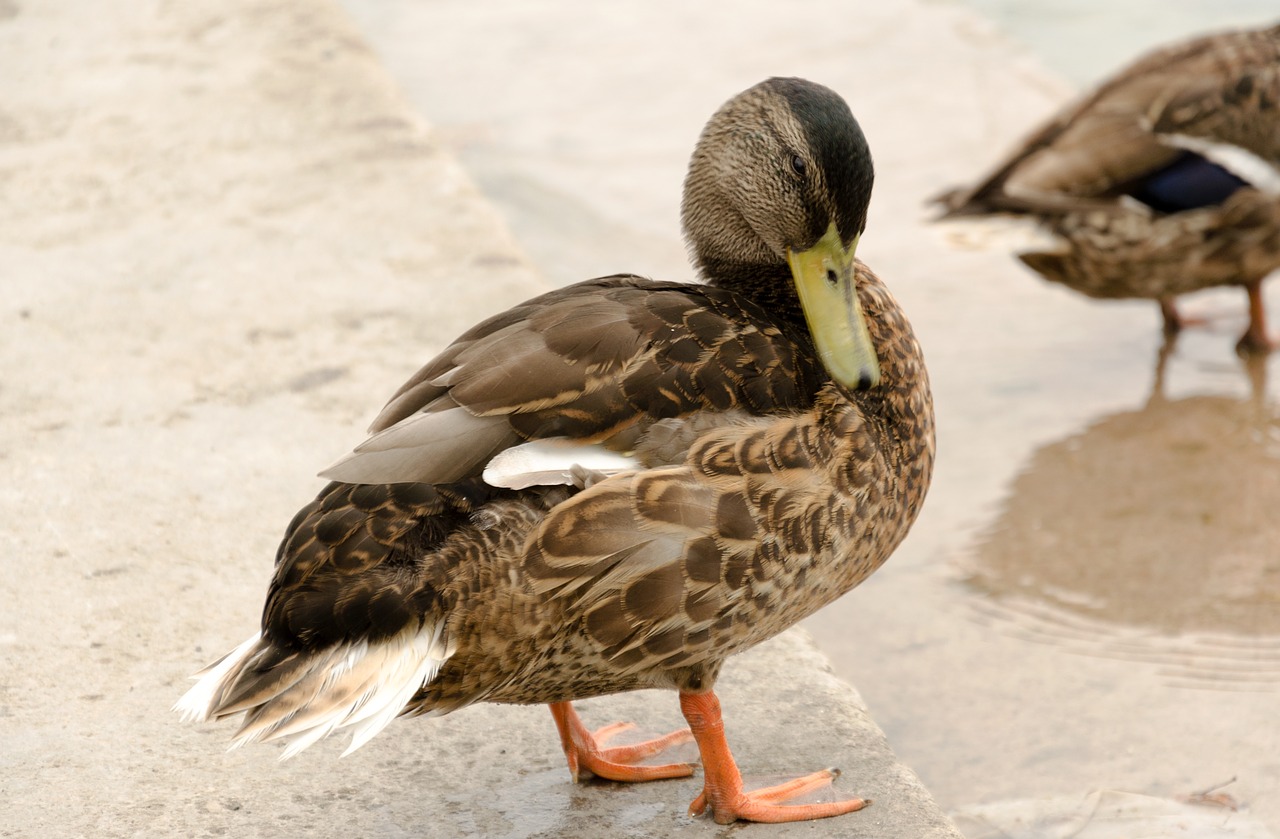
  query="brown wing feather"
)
[
  {"x": 590, "y": 362},
  {"x": 1230, "y": 95},
  {"x": 345, "y": 570}
]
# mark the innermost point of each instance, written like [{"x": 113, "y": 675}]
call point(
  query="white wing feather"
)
[{"x": 552, "y": 461}]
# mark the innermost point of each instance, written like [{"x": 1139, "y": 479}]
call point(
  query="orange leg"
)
[
  {"x": 1255, "y": 339},
  {"x": 722, "y": 789},
  {"x": 584, "y": 750}
]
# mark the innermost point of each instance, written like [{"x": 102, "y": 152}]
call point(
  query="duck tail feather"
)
[{"x": 303, "y": 697}]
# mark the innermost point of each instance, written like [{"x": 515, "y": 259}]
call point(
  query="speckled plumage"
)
[
  {"x": 761, "y": 489},
  {"x": 645, "y": 580},
  {"x": 1116, "y": 177}
]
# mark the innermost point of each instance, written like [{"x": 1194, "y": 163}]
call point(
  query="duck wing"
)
[
  {"x": 1229, "y": 110},
  {"x": 598, "y": 362},
  {"x": 1221, "y": 90}
]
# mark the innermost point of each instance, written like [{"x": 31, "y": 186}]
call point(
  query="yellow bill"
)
[{"x": 823, "y": 275}]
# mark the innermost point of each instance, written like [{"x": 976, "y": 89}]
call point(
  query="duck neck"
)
[{"x": 768, "y": 285}]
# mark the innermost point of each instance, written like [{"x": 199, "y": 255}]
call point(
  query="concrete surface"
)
[{"x": 225, "y": 239}]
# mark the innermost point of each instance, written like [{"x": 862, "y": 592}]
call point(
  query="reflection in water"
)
[
  {"x": 1106, "y": 814},
  {"x": 1152, "y": 534}
]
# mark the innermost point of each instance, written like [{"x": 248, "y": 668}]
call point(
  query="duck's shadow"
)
[{"x": 1151, "y": 534}]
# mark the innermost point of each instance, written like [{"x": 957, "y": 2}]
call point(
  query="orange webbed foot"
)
[
  {"x": 722, "y": 791},
  {"x": 766, "y": 805},
  {"x": 585, "y": 750}
]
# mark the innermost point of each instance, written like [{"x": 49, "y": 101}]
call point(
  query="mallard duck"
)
[
  {"x": 1163, "y": 181},
  {"x": 619, "y": 484}
]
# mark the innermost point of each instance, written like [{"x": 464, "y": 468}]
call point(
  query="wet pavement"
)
[{"x": 1091, "y": 599}]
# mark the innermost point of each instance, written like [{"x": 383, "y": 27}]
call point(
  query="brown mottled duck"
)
[
  {"x": 1163, "y": 181},
  {"x": 619, "y": 484}
]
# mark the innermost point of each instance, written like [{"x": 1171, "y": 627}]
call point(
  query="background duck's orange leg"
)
[
  {"x": 585, "y": 751},
  {"x": 1255, "y": 339},
  {"x": 722, "y": 788}
]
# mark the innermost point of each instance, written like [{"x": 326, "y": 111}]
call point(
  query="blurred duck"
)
[{"x": 1163, "y": 181}]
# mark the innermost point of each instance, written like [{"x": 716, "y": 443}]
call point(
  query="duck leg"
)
[
  {"x": 584, "y": 750},
  {"x": 1169, "y": 315},
  {"x": 1173, "y": 320},
  {"x": 722, "y": 788},
  {"x": 1255, "y": 340},
  {"x": 1163, "y": 355}
]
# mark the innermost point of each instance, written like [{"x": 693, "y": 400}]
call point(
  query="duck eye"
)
[{"x": 798, "y": 165}]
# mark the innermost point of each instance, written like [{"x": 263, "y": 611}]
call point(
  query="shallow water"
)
[{"x": 1091, "y": 598}]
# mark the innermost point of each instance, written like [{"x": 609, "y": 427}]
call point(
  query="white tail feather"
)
[
  {"x": 197, "y": 703},
  {"x": 362, "y": 685}
]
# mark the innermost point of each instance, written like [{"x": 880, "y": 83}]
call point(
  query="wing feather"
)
[{"x": 588, "y": 362}]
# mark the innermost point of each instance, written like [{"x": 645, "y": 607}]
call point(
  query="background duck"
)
[
  {"x": 619, "y": 484},
  {"x": 1163, "y": 181}
]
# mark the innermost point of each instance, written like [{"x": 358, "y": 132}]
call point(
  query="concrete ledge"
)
[{"x": 225, "y": 239}]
